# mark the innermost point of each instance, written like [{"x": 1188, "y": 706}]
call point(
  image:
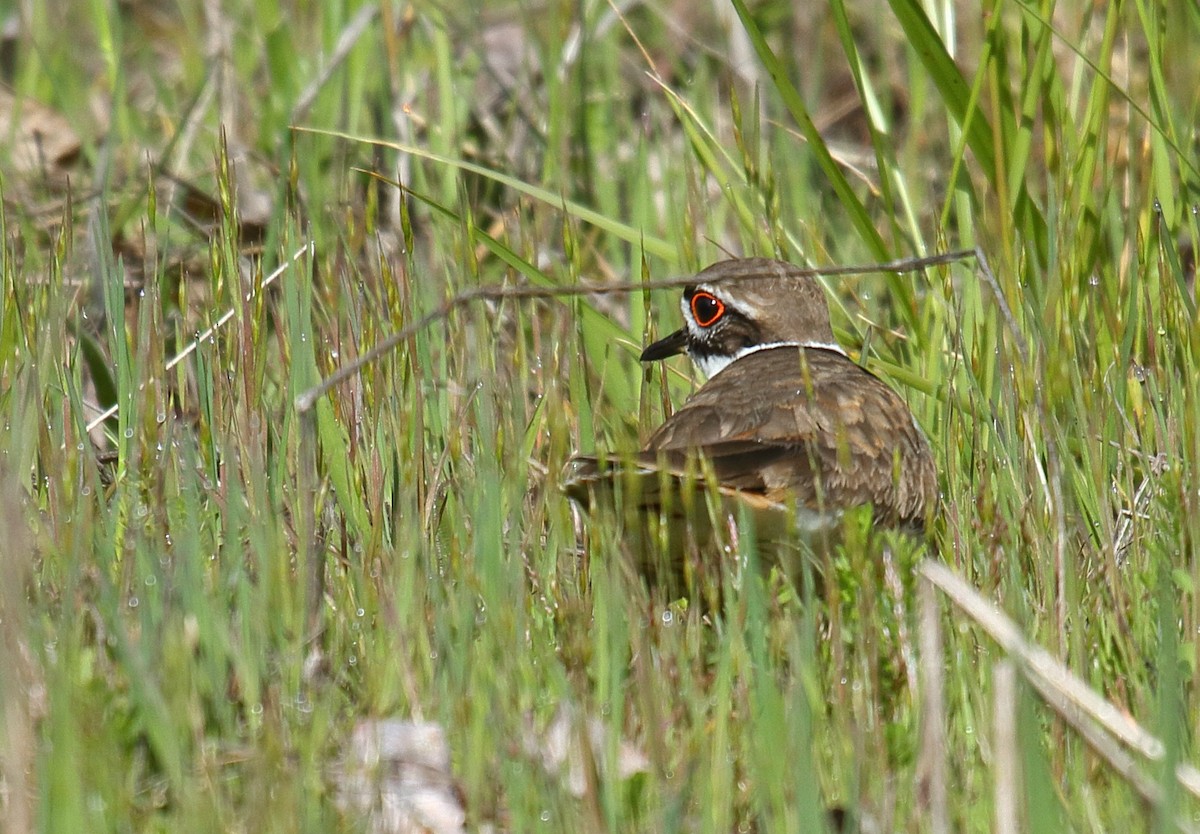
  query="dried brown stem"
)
[{"x": 499, "y": 293}]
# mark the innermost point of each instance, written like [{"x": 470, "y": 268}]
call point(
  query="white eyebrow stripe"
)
[{"x": 741, "y": 306}]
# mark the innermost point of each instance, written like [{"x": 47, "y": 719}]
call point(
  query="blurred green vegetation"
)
[{"x": 208, "y": 590}]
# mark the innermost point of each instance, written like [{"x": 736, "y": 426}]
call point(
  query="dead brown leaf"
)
[{"x": 39, "y": 139}]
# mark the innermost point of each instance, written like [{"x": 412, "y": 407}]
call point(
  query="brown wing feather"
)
[
  {"x": 810, "y": 423},
  {"x": 644, "y": 481}
]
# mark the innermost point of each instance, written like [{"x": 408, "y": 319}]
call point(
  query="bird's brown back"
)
[{"x": 805, "y": 424}]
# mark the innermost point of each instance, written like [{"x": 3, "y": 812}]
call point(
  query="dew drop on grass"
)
[
  {"x": 352, "y": 660},
  {"x": 86, "y": 491},
  {"x": 668, "y": 618},
  {"x": 133, "y": 602},
  {"x": 151, "y": 581},
  {"x": 161, "y": 417},
  {"x": 360, "y": 612},
  {"x": 544, "y": 816},
  {"x": 128, "y": 433},
  {"x": 79, "y": 447}
]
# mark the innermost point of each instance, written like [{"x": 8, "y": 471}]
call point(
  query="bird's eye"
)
[{"x": 707, "y": 308}]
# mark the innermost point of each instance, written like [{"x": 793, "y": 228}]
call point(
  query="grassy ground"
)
[{"x": 206, "y": 593}]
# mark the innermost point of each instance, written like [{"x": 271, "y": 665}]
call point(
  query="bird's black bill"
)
[{"x": 672, "y": 345}]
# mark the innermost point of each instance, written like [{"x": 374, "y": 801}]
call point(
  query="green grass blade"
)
[{"x": 850, "y": 203}]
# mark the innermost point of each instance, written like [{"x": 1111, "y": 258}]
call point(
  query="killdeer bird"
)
[{"x": 786, "y": 424}]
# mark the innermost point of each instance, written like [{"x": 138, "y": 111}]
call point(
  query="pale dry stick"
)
[
  {"x": 1106, "y": 747},
  {"x": 208, "y": 332},
  {"x": 219, "y": 26},
  {"x": 347, "y": 40},
  {"x": 1070, "y": 697},
  {"x": 1101, "y": 743},
  {"x": 306, "y": 400},
  {"x": 742, "y": 60},
  {"x": 931, "y": 763},
  {"x": 573, "y": 45},
  {"x": 1004, "y": 717}
]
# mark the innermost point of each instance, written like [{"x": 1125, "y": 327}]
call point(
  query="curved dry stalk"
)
[
  {"x": 306, "y": 400},
  {"x": 1076, "y": 703}
]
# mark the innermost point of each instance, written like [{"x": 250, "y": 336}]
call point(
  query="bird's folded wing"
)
[
  {"x": 823, "y": 443},
  {"x": 644, "y": 478}
]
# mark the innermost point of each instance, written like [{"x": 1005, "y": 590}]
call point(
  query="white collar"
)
[{"x": 711, "y": 364}]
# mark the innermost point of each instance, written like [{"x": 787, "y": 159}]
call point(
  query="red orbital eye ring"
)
[{"x": 707, "y": 309}]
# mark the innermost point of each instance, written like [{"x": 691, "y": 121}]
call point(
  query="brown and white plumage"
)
[{"x": 786, "y": 420}]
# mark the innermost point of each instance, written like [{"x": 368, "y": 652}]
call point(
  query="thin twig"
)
[
  {"x": 1006, "y": 312},
  {"x": 499, "y": 293}
]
